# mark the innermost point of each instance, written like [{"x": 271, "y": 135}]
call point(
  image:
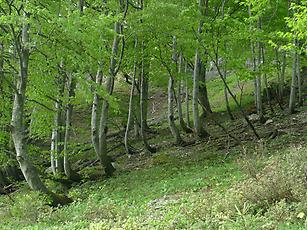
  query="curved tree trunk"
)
[
  {"x": 18, "y": 127},
  {"x": 171, "y": 118},
  {"x": 131, "y": 107}
]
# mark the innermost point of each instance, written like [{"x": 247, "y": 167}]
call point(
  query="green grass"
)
[{"x": 170, "y": 191}]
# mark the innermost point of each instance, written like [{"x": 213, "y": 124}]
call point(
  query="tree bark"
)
[
  {"x": 131, "y": 104},
  {"x": 187, "y": 98},
  {"x": 171, "y": 118},
  {"x": 266, "y": 81},
  {"x": 71, "y": 85},
  {"x": 18, "y": 127},
  {"x": 225, "y": 71},
  {"x": 182, "y": 123},
  {"x": 282, "y": 76},
  {"x": 299, "y": 80},
  {"x": 59, "y": 123},
  {"x": 53, "y": 151},
  {"x": 143, "y": 104},
  {"x": 257, "y": 80},
  {"x": 292, "y": 99},
  {"x": 95, "y": 107},
  {"x": 197, "y": 128}
]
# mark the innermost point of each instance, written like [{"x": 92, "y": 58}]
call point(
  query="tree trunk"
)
[
  {"x": 187, "y": 98},
  {"x": 299, "y": 81},
  {"x": 18, "y": 127},
  {"x": 95, "y": 107},
  {"x": 131, "y": 107},
  {"x": 143, "y": 104},
  {"x": 257, "y": 81},
  {"x": 171, "y": 118},
  {"x": 53, "y": 151},
  {"x": 197, "y": 128},
  {"x": 102, "y": 152},
  {"x": 225, "y": 71},
  {"x": 71, "y": 85},
  {"x": 183, "y": 125},
  {"x": 293, "y": 82},
  {"x": 278, "y": 68},
  {"x": 282, "y": 76},
  {"x": 266, "y": 81},
  {"x": 59, "y": 124}
]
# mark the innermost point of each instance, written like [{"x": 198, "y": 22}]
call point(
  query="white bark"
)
[
  {"x": 71, "y": 84},
  {"x": 131, "y": 105},
  {"x": 18, "y": 127},
  {"x": 182, "y": 123},
  {"x": 197, "y": 128},
  {"x": 187, "y": 99}
]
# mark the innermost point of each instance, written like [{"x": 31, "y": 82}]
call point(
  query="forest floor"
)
[{"x": 214, "y": 183}]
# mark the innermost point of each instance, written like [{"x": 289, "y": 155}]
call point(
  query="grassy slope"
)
[{"x": 187, "y": 188}]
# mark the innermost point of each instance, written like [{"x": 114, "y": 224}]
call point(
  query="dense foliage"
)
[{"x": 86, "y": 82}]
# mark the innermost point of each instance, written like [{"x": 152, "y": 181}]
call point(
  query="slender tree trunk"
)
[
  {"x": 102, "y": 149},
  {"x": 299, "y": 81},
  {"x": 236, "y": 101},
  {"x": 257, "y": 81},
  {"x": 145, "y": 86},
  {"x": 293, "y": 82},
  {"x": 59, "y": 124},
  {"x": 171, "y": 118},
  {"x": 18, "y": 127},
  {"x": 187, "y": 98},
  {"x": 197, "y": 127},
  {"x": 182, "y": 123},
  {"x": 131, "y": 104},
  {"x": 278, "y": 67},
  {"x": 95, "y": 108},
  {"x": 103, "y": 157},
  {"x": 203, "y": 92},
  {"x": 53, "y": 150},
  {"x": 266, "y": 81},
  {"x": 282, "y": 75},
  {"x": 71, "y": 85},
  {"x": 225, "y": 71},
  {"x": 143, "y": 104}
]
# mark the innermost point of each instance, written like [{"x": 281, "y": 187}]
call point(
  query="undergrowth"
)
[{"x": 178, "y": 193}]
